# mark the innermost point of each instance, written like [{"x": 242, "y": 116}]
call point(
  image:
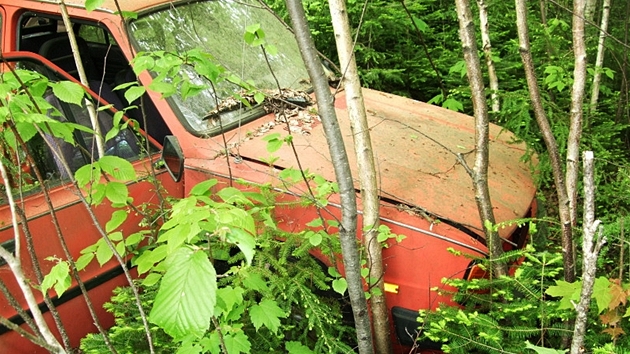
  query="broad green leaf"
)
[
  {"x": 118, "y": 218},
  {"x": 602, "y": 293},
  {"x": 422, "y": 26},
  {"x": 245, "y": 242},
  {"x": 340, "y": 285},
  {"x": 315, "y": 239},
  {"x": 568, "y": 292},
  {"x": 134, "y": 92},
  {"x": 116, "y": 192},
  {"x": 86, "y": 174},
  {"x": 268, "y": 314},
  {"x": 271, "y": 50},
  {"x": 59, "y": 278},
  {"x": 203, "y": 188},
  {"x": 68, "y": 91},
  {"x": 297, "y": 348},
  {"x": 115, "y": 236},
  {"x": 228, "y": 297},
  {"x": 233, "y": 195},
  {"x": 91, "y": 5},
  {"x": 185, "y": 301},
  {"x": 236, "y": 343},
  {"x": 117, "y": 167},
  {"x": 141, "y": 63},
  {"x": 259, "y": 97},
  {"x": 151, "y": 279},
  {"x": 274, "y": 143},
  {"x": 84, "y": 260},
  {"x": 103, "y": 252}
]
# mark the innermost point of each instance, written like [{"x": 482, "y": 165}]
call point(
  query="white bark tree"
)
[
  {"x": 487, "y": 51},
  {"x": 347, "y": 227},
  {"x": 367, "y": 174},
  {"x": 479, "y": 171},
  {"x": 599, "y": 60}
]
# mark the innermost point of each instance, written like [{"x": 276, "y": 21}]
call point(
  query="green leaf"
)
[
  {"x": 274, "y": 143},
  {"x": 236, "y": 343},
  {"x": 602, "y": 293},
  {"x": 91, "y": 5},
  {"x": 268, "y": 314},
  {"x": 297, "y": 348},
  {"x": 134, "y": 92},
  {"x": 151, "y": 279},
  {"x": 84, "y": 260},
  {"x": 116, "y": 192},
  {"x": 340, "y": 285},
  {"x": 315, "y": 239},
  {"x": 185, "y": 301},
  {"x": 117, "y": 167},
  {"x": 103, "y": 252},
  {"x": 259, "y": 97},
  {"x": 568, "y": 291},
  {"x": 59, "y": 278},
  {"x": 68, "y": 91},
  {"x": 118, "y": 218},
  {"x": 245, "y": 242},
  {"x": 203, "y": 188}
]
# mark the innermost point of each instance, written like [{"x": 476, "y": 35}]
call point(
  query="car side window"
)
[{"x": 104, "y": 62}]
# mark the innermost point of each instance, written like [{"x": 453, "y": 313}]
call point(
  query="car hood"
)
[{"x": 417, "y": 148}]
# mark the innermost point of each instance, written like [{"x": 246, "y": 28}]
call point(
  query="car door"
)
[{"x": 52, "y": 213}]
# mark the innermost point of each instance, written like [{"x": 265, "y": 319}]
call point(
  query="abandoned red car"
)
[{"x": 426, "y": 194}]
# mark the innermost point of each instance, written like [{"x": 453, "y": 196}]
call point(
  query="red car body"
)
[{"x": 426, "y": 194}]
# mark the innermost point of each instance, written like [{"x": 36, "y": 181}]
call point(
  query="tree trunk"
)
[
  {"x": 599, "y": 61},
  {"x": 589, "y": 9},
  {"x": 16, "y": 269},
  {"x": 98, "y": 135},
  {"x": 487, "y": 51},
  {"x": 577, "y": 112},
  {"x": 480, "y": 169},
  {"x": 550, "y": 141},
  {"x": 367, "y": 174},
  {"x": 591, "y": 245},
  {"x": 347, "y": 227}
]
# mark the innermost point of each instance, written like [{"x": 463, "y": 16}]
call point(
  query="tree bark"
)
[
  {"x": 591, "y": 245},
  {"x": 480, "y": 107},
  {"x": 367, "y": 175},
  {"x": 577, "y": 112},
  {"x": 589, "y": 9},
  {"x": 550, "y": 140},
  {"x": 16, "y": 269},
  {"x": 487, "y": 51},
  {"x": 599, "y": 61},
  {"x": 347, "y": 227},
  {"x": 98, "y": 135}
]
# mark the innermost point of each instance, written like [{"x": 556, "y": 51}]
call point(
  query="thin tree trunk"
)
[
  {"x": 16, "y": 269},
  {"x": 367, "y": 175},
  {"x": 591, "y": 245},
  {"x": 487, "y": 51},
  {"x": 577, "y": 112},
  {"x": 347, "y": 227},
  {"x": 589, "y": 9},
  {"x": 98, "y": 135},
  {"x": 599, "y": 61},
  {"x": 480, "y": 107},
  {"x": 550, "y": 141}
]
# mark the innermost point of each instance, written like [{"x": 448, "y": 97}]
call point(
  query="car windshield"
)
[{"x": 217, "y": 27}]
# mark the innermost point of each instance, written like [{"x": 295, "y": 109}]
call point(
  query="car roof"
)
[{"x": 110, "y": 5}]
